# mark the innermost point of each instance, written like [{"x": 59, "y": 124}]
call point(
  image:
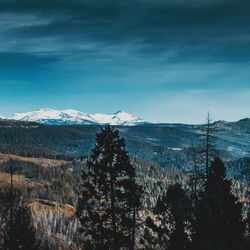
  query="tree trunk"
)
[
  {"x": 133, "y": 230},
  {"x": 114, "y": 240}
]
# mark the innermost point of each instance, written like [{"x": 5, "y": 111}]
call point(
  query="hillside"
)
[
  {"x": 166, "y": 144},
  {"x": 44, "y": 162}
]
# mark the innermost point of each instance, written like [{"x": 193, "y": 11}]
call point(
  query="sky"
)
[{"x": 166, "y": 60}]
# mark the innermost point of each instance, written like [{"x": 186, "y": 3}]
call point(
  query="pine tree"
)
[
  {"x": 207, "y": 142},
  {"x": 196, "y": 174},
  {"x": 4, "y": 209},
  {"x": 9, "y": 202},
  {"x": 201, "y": 154},
  {"x": 173, "y": 210},
  {"x": 219, "y": 222},
  {"x": 208, "y": 150},
  {"x": 110, "y": 196},
  {"x": 22, "y": 234}
]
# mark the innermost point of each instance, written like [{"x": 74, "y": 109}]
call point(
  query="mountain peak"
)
[{"x": 71, "y": 117}]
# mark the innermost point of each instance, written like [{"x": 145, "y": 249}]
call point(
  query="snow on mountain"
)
[
  {"x": 119, "y": 118},
  {"x": 57, "y": 117},
  {"x": 69, "y": 116}
]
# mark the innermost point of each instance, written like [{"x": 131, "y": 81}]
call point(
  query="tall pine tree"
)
[
  {"x": 21, "y": 234},
  {"x": 110, "y": 196},
  {"x": 219, "y": 223},
  {"x": 172, "y": 210}
]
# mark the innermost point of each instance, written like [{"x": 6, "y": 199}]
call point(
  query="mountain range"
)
[{"x": 75, "y": 117}]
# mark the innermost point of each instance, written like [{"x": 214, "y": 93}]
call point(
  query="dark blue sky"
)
[{"x": 169, "y": 60}]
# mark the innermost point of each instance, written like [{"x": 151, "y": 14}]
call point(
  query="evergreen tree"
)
[
  {"x": 219, "y": 223},
  {"x": 151, "y": 238},
  {"x": 110, "y": 196},
  {"x": 4, "y": 209},
  {"x": 208, "y": 149},
  {"x": 22, "y": 234},
  {"x": 9, "y": 202},
  {"x": 201, "y": 154},
  {"x": 207, "y": 142},
  {"x": 196, "y": 173},
  {"x": 173, "y": 210}
]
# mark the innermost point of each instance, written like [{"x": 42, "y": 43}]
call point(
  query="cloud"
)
[{"x": 216, "y": 31}]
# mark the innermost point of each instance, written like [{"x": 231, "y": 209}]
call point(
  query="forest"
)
[{"x": 102, "y": 197}]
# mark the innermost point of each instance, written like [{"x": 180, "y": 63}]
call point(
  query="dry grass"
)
[
  {"x": 50, "y": 206},
  {"x": 19, "y": 181},
  {"x": 44, "y": 162}
]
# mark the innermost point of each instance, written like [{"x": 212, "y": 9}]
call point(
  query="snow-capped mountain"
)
[
  {"x": 119, "y": 118},
  {"x": 70, "y": 117}
]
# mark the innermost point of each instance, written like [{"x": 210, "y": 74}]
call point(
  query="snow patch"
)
[{"x": 175, "y": 149}]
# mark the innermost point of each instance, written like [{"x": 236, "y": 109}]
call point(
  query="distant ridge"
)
[{"x": 75, "y": 117}]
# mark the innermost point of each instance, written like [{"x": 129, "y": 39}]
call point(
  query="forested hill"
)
[{"x": 166, "y": 144}]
